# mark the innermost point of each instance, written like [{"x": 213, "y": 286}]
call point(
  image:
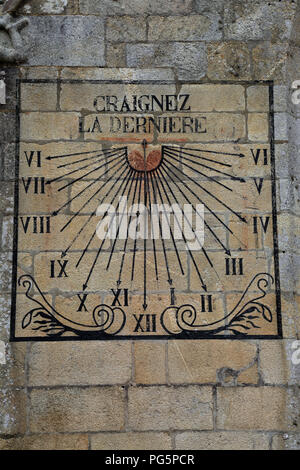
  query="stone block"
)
[
  {"x": 269, "y": 61},
  {"x": 228, "y": 61},
  {"x": 189, "y": 59},
  {"x": 46, "y": 442},
  {"x": 77, "y": 409},
  {"x": 165, "y": 408},
  {"x": 125, "y": 29},
  {"x": 256, "y": 20},
  {"x": 67, "y": 40},
  {"x": 39, "y": 96},
  {"x": 221, "y": 441},
  {"x": 80, "y": 363},
  {"x": 200, "y": 361},
  {"x": 126, "y": 7},
  {"x": 245, "y": 408},
  {"x": 150, "y": 362},
  {"x": 185, "y": 28},
  {"x": 12, "y": 412},
  {"x": 131, "y": 441}
]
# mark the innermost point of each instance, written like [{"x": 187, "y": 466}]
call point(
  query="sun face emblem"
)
[{"x": 145, "y": 161}]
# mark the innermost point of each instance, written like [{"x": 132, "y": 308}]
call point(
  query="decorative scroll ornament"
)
[
  {"x": 240, "y": 321},
  {"x": 44, "y": 318},
  {"x": 12, "y": 47}
]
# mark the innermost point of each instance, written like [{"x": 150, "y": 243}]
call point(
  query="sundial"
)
[{"x": 145, "y": 210}]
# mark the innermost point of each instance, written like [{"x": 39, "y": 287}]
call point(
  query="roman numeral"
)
[
  {"x": 36, "y": 155},
  {"x": 234, "y": 266},
  {"x": 258, "y": 183},
  {"x": 257, "y": 155},
  {"x": 206, "y": 303},
  {"x": 145, "y": 322},
  {"x": 264, "y": 223},
  {"x": 36, "y": 224},
  {"x": 82, "y": 305},
  {"x": 117, "y": 293},
  {"x": 36, "y": 183},
  {"x": 61, "y": 268}
]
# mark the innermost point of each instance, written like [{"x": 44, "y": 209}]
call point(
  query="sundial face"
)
[{"x": 145, "y": 210}]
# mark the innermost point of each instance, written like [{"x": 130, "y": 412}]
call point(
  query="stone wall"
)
[{"x": 206, "y": 394}]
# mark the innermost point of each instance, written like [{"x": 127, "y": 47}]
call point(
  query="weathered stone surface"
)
[
  {"x": 11, "y": 73},
  {"x": 125, "y": 29},
  {"x": 36, "y": 73},
  {"x": 77, "y": 409},
  {"x": 281, "y": 126},
  {"x": 39, "y": 96},
  {"x": 75, "y": 363},
  {"x": 258, "y": 19},
  {"x": 116, "y": 55},
  {"x": 147, "y": 370},
  {"x": 203, "y": 6},
  {"x": 199, "y": 361},
  {"x": 5, "y": 272},
  {"x": 12, "y": 411},
  {"x": 6, "y": 197},
  {"x": 278, "y": 362},
  {"x": 107, "y": 7},
  {"x": 131, "y": 441},
  {"x": 257, "y": 98},
  {"x": 12, "y": 373},
  {"x": 280, "y": 98},
  {"x": 170, "y": 408},
  {"x": 124, "y": 74},
  {"x": 258, "y": 127},
  {"x": 46, "y": 442},
  {"x": 261, "y": 408},
  {"x": 286, "y": 441},
  {"x": 269, "y": 61},
  {"x": 221, "y": 441},
  {"x": 188, "y": 59},
  {"x": 49, "y": 126},
  {"x": 184, "y": 28},
  {"x": 228, "y": 60},
  {"x": 48, "y": 7},
  {"x": 7, "y": 127},
  {"x": 67, "y": 40},
  {"x": 8, "y": 154},
  {"x": 214, "y": 97},
  {"x": 4, "y": 317}
]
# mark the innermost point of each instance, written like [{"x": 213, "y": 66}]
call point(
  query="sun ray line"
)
[
  {"x": 207, "y": 207},
  {"x": 52, "y": 157},
  {"x": 90, "y": 172},
  {"x": 199, "y": 172},
  {"x": 179, "y": 151},
  {"x": 94, "y": 212},
  {"x": 103, "y": 157},
  {"x": 171, "y": 231},
  {"x": 104, "y": 239},
  {"x": 240, "y": 155},
  {"x": 119, "y": 224},
  {"x": 130, "y": 218},
  {"x": 90, "y": 185},
  {"x": 94, "y": 233},
  {"x": 213, "y": 196},
  {"x": 196, "y": 236},
  {"x": 153, "y": 239},
  {"x": 234, "y": 178},
  {"x": 182, "y": 233},
  {"x": 170, "y": 280},
  {"x": 65, "y": 175},
  {"x": 204, "y": 221},
  {"x": 136, "y": 227}
]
